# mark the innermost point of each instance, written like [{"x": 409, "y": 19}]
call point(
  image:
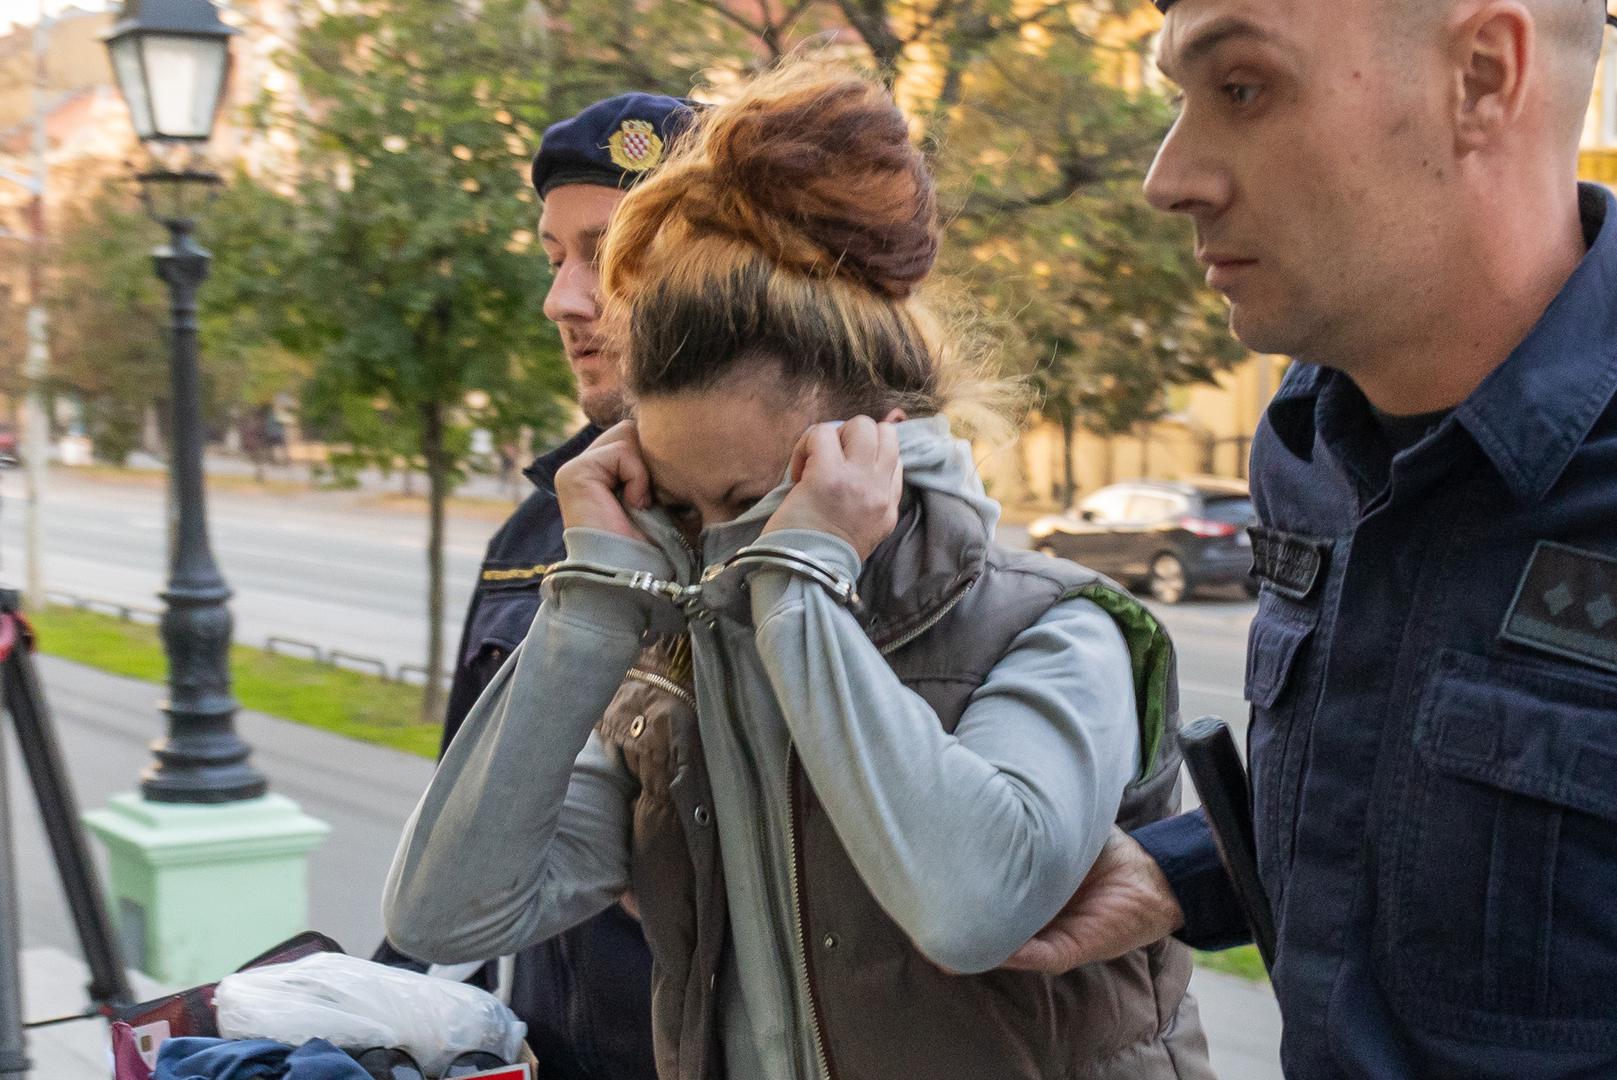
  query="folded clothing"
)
[{"x": 253, "y": 1059}]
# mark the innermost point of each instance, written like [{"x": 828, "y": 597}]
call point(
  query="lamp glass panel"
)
[
  {"x": 187, "y": 76},
  {"x": 132, "y": 81}
]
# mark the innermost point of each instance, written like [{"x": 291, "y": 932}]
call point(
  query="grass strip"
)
[
  {"x": 346, "y": 703},
  {"x": 1244, "y": 963}
]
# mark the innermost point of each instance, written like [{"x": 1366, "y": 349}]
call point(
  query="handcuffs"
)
[{"x": 722, "y": 588}]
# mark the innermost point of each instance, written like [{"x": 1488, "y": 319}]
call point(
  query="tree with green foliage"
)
[
  {"x": 1040, "y": 124},
  {"x": 417, "y": 281},
  {"x": 253, "y": 350},
  {"x": 107, "y": 320},
  {"x": 109, "y": 313},
  {"x": 1053, "y": 230}
]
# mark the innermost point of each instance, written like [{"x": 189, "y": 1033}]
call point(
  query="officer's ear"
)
[{"x": 1491, "y": 54}]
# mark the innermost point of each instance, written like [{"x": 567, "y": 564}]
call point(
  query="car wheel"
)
[{"x": 1168, "y": 583}]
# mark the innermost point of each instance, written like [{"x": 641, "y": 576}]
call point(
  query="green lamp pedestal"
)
[{"x": 198, "y": 890}]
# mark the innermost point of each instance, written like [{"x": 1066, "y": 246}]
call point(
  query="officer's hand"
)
[
  {"x": 847, "y": 479},
  {"x": 1124, "y": 904},
  {"x": 594, "y": 487}
]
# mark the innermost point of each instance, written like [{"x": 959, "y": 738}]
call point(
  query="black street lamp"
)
[{"x": 171, "y": 58}]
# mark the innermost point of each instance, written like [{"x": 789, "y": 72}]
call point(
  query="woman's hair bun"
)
[
  {"x": 790, "y": 230},
  {"x": 817, "y": 169}
]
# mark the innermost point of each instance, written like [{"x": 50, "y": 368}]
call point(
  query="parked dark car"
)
[{"x": 1168, "y": 539}]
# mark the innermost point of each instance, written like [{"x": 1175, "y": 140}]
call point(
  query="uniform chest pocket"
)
[
  {"x": 1497, "y": 915},
  {"x": 1279, "y": 631},
  {"x": 1275, "y": 651}
]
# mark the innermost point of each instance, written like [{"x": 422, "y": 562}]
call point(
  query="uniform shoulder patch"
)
[
  {"x": 514, "y": 573},
  {"x": 635, "y": 146},
  {"x": 1566, "y": 605},
  {"x": 1290, "y": 563}
]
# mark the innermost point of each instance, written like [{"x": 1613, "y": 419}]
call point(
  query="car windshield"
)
[{"x": 1235, "y": 511}]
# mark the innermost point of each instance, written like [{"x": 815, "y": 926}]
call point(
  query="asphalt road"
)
[
  {"x": 329, "y": 569},
  {"x": 319, "y": 567}
]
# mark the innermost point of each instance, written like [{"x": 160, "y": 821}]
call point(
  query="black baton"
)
[{"x": 1220, "y": 779}]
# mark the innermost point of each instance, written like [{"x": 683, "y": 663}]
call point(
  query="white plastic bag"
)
[{"x": 358, "y": 1004}]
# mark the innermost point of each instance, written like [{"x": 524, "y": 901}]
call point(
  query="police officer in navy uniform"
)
[
  {"x": 1387, "y": 191},
  {"x": 586, "y": 995}
]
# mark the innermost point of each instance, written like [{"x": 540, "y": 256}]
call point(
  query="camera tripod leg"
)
[
  {"x": 24, "y": 701},
  {"x": 13, "y": 1050}
]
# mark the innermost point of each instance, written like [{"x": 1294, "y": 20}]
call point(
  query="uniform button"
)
[
  {"x": 702, "y": 816},
  {"x": 830, "y": 941},
  {"x": 637, "y": 727}
]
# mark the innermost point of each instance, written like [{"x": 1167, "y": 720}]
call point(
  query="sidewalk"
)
[
  {"x": 53, "y": 985},
  {"x": 481, "y": 486},
  {"x": 104, "y": 724}
]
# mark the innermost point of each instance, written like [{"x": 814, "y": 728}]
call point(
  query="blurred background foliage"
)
[{"x": 383, "y": 283}]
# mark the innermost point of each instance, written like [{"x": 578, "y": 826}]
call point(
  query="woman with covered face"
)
[{"x": 896, "y": 748}]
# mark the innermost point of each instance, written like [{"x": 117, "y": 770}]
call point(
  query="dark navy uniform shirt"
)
[
  {"x": 1433, "y": 678},
  {"x": 586, "y": 994},
  {"x": 507, "y": 593}
]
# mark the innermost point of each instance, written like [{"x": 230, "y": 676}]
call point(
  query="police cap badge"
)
[
  {"x": 612, "y": 143},
  {"x": 635, "y": 146}
]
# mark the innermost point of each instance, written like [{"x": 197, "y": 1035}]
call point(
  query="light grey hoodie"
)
[{"x": 971, "y": 842}]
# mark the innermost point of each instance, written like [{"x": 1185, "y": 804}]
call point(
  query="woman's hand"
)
[
  {"x": 848, "y": 479},
  {"x": 595, "y": 486}
]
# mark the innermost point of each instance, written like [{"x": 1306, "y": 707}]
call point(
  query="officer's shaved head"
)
[
  {"x": 1573, "y": 32},
  {"x": 1572, "y": 24},
  {"x": 1570, "y": 34},
  {"x": 1359, "y": 170}
]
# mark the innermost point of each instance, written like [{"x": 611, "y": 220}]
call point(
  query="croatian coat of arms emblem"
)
[{"x": 635, "y": 146}]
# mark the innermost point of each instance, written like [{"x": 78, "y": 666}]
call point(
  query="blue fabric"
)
[
  {"x": 1184, "y": 848},
  {"x": 252, "y": 1059},
  {"x": 578, "y": 150},
  {"x": 1434, "y": 800}
]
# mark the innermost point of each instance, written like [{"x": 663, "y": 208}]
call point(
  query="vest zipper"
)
[
  {"x": 794, "y": 851},
  {"x": 799, "y": 919},
  {"x": 799, "y": 961},
  {"x": 663, "y": 683},
  {"x": 930, "y": 621}
]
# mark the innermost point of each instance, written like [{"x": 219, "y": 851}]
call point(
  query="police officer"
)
[
  {"x": 1387, "y": 191},
  {"x": 585, "y": 995}
]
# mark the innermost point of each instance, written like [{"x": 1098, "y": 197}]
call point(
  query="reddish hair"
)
[{"x": 793, "y": 225}]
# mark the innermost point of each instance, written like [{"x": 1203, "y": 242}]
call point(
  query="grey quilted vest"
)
[{"x": 945, "y": 604}]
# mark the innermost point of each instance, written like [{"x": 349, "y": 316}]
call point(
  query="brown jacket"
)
[{"x": 945, "y": 605}]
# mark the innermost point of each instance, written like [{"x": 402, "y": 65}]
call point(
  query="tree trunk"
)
[
  {"x": 432, "y": 450},
  {"x": 869, "y": 19},
  {"x": 1069, "y": 479}
]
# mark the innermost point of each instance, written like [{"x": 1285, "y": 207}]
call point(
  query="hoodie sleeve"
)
[
  {"x": 973, "y": 841},
  {"x": 524, "y": 830}
]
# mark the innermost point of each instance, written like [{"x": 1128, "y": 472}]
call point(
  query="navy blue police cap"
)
[{"x": 612, "y": 143}]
